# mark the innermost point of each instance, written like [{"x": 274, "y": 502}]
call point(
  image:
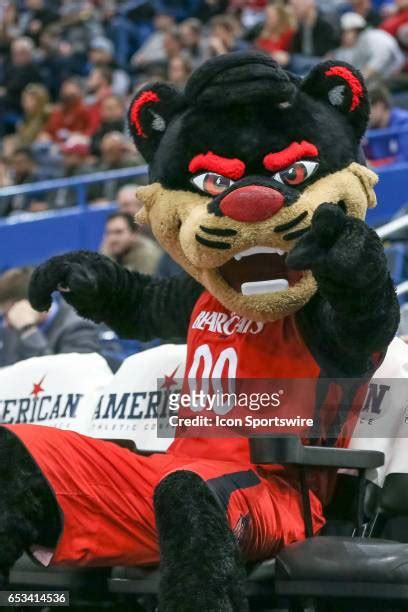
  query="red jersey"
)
[{"x": 223, "y": 344}]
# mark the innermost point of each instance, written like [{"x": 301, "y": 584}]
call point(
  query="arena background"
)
[{"x": 69, "y": 172}]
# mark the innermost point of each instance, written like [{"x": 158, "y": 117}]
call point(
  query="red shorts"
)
[{"x": 105, "y": 494}]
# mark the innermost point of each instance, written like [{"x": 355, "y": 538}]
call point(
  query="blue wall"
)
[
  {"x": 30, "y": 241},
  {"x": 392, "y": 193}
]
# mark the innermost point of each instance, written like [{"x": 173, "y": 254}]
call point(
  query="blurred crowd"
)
[{"x": 68, "y": 69}]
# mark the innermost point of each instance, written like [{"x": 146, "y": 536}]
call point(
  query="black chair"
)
[
  {"x": 349, "y": 573},
  {"x": 261, "y": 586}
]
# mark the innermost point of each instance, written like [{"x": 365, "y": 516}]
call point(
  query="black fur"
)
[
  {"x": 134, "y": 305},
  {"x": 237, "y": 84},
  {"x": 356, "y": 311},
  {"x": 201, "y": 569},
  {"x": 28, "y": 511}
]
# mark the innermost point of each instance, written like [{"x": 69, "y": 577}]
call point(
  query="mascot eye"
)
[
  {"x": 212, "y": 183},
  {"x": 297, "y": 173}
]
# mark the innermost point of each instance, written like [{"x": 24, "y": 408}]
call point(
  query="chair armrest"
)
[{"x": 272, "y": 449}]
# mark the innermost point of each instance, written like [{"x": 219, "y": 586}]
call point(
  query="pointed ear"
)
[
  {"x": 149, "y": 114},
  {"x": 341, "y": 86}
]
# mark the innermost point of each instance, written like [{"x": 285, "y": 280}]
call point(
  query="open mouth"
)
[{"x": 259, "y": 270}]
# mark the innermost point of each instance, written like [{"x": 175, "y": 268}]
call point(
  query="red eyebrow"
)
[
  {"x": 231, "y": 168},
  {"x": 293, "y": 153}
]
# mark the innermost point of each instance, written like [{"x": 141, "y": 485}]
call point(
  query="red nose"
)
[{"x": 252, "y": 203}]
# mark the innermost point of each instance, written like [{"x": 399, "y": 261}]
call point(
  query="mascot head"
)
[{"x": 238, "y": 164}]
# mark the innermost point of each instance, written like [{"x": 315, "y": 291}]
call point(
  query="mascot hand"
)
[
  {"x": 84, "y": 278},
  {"x": 341, "y": 251}
]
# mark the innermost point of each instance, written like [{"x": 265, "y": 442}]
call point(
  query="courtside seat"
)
[
  {"x": 344, "y": 568},
  {"x": 331, "y": 566}
]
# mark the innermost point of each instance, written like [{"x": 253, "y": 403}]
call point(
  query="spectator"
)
[
  {"x": 225, "y": 35},
  {"x": 115, "y": 154},
  {"x": 250, "y": 11},
  {"x": 315, "y": 35},
  {"x": 23, "y": 171},
  {"x": 34, "y": 20},
  {"x": 99, "y": 86},
  {"x": 127, "y": 200},
  {"x": 386, "y": 148},
  {"x": 35, "y": 103},
  {"x": 19, "y": 72},
  {"x": 172, "y": 44},
  {"x": 124, "y": 243},
  {"x": 194, "y": 43},
  {"x": 130, "y": 28},
  {"x": 9, "y": 28},
  {"x": 112, "y": 120},
  {"x": 179, "y": 70},
  {"x": 366, "y": 9},
  {"x": 153, "y": 51},
  {"x": 75, "y": 159},
  {"x": 27, "y": 333},
  {"x": 71, "y": 115},
  {"x": 101, "y": 53},
  {"x": 396, "y": 23},
  {"x": 275, "y": 34},
  {"x": 373, "y": 51},
  {"x": 58, "y": 60}
]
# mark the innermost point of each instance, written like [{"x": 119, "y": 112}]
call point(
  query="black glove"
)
[
  {"x": 341, "y": 251},
  {"x": 86, "y": 280}
]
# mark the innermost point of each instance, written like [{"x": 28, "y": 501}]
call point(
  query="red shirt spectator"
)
[
  {"x": 278, "y": 29},
  {"x": 278, "y": 43},
  {"x": 71, "y": 115},
  {"x": 394, "y": 22}
]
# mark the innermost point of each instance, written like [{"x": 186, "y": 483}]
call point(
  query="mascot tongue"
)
[{"x": 258, "y": 271}]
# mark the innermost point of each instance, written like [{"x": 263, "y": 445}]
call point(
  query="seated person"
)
[
  {"x": 25, "y": 333},
  {"x": 125, "y": 244},
  {"x": 392, "y": 147}
]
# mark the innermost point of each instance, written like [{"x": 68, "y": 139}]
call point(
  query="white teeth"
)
[
  {"x": 256, "y": 251},
  {"x": 269, "y": 286}
]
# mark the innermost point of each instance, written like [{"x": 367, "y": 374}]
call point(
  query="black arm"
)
[
  {"x": 355, "y": 312},
  {"x": 134, "y": 305}
]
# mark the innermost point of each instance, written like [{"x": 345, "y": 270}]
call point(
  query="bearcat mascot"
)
[{"x": 257, "y": 192}]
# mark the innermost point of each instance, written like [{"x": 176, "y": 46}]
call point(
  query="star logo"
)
[
  {"x": 37, "y": 388},
  {"x": 169, "y": 380}
]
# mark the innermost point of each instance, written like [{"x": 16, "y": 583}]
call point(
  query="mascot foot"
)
[
  {"x": 201, "y": 569},
  {"x": 28, "y": 512}
]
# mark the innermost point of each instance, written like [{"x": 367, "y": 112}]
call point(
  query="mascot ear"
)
[
  {"x": 149, "y": 114},
  {"x": 341, "y": 86}
]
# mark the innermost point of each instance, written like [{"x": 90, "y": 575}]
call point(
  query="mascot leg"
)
[
  {"x": 201, "y": 567},
  {"x": 28, "y": 512}
]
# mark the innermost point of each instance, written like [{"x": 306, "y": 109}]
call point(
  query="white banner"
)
[
  {"x": 79, "y": 392},
  {"x": 53, "y": 390},
  {"x": 384, "y": 422},
  {"x": 128, "y": 408}
]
